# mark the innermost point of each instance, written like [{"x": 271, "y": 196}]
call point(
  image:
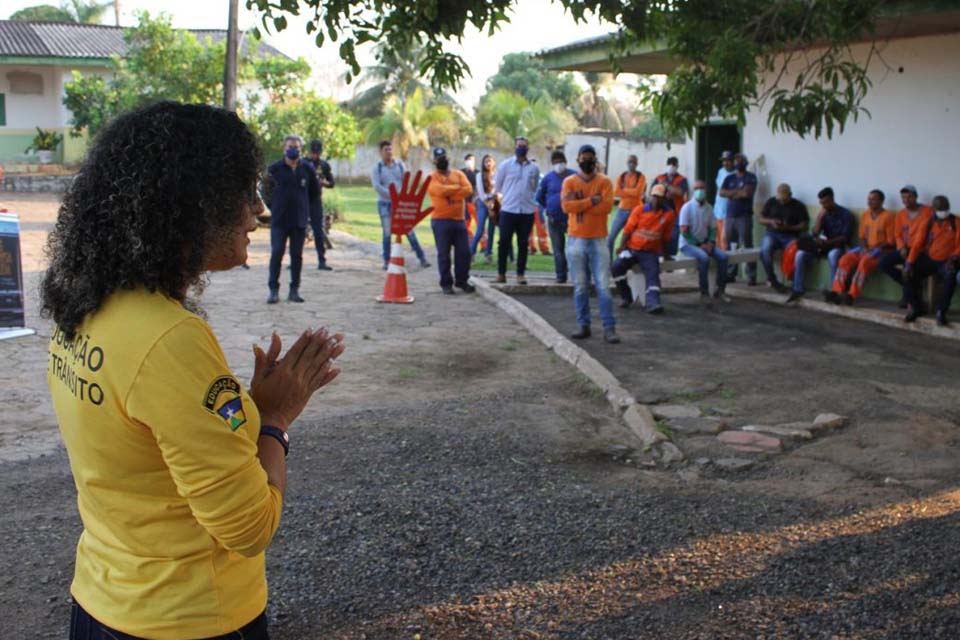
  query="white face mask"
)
[
  {"x": 942, "y": 215},
  {"x": 560, "y": 167},
  {"x": 671, "y": 170}
]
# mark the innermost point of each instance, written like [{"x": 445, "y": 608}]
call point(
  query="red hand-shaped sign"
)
[{"x": 405, "y": 210}]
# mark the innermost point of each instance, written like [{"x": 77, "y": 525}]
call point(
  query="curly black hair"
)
[{"x": 158, "y": 190}]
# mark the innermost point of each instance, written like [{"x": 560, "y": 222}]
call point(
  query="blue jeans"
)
[
  {"x": 804, "y": 259},
  {"x": 703, "y": 266},
  {"x": 452, "y": 234},
  {"x": 773, "y": 241},
  {"x": 674, "y": 246},
  {"x": 558, "y": 238},
  {"x": 482, "y": 215},
  {"x": 650, "y": 264},
  {"x": 619, "y": 221},
  {"x": 581, "y": 254},
  {"x": 833, "y": 258},
  {"x": 383, "y": 208},
  {"x": 278, "y": 246}
]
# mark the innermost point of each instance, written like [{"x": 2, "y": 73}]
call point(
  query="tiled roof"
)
[{"x": 77, "y": 40}]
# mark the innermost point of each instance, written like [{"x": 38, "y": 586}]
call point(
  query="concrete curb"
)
[
  {"x": 637, "y": 418},
  {"x": 925, "y": 326}
]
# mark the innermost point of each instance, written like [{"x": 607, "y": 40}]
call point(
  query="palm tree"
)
[
  {"x": 505, "y": 115},
  {"x": 412, "y": 123},
  {"x": 597, "y": 111}
]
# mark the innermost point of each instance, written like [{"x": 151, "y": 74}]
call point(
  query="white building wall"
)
[
  {"x": 651, "y": 157},
  {"x": 913, "y": 135},
  {"x": 26, "y": 111}
]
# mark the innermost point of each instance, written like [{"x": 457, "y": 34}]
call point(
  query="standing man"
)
[
  {"x": 517, "y": 179},
  {"x": 549, "y": 199},
  {"x": 325, "y": 177},
  {"x": 720, "y": 206},
  {"x": 698, "y": 241},
  {"x": 645, "y": 235},
  {"x": 678, "y": 189},
  {"x": 470, "y": 204},
  {"x": 910, "y": 224},
  {"x": 630, "y": 187},
  {"x": 587, "y": 198},
  {"x": 388, "y": 171},
  {"x": 290, "y": 189},
  {"x": 740, "y": 187},
  {"x": 785, "y": 218},
  {"x": 448, "y": 190}
]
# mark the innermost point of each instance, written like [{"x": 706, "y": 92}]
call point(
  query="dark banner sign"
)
[{"x": 11, "y": 272}]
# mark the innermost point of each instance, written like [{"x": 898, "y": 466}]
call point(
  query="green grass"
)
[{"x": 363, "y": 221}]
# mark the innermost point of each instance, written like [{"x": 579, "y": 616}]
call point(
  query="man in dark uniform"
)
[
  {"x": 290, "y": 189},
  {"x": 325, "y": 176}
]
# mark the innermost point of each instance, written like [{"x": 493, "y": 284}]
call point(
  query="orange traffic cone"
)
[{"x": 395, "y": 289}]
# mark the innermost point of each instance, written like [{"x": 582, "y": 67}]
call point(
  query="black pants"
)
[
  {"x": 83, "y": 626},
  {"x": 740, "y": 231},
  {"x": 319, "y": 233},
  {"x": 924, "y": 268},
  {"x": 558, "y": 238},
  {"x": 278, "y": 245},
  {"x": 519, "y": 224}
]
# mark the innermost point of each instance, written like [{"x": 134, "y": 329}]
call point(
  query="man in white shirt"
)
[
  {"x": 698, "y": 241},
  {"x": 517, "y": 179}
]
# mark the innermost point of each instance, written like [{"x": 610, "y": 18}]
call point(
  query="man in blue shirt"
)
[
  {"x": 548, "y": 197},
  {"x": 740, "y": 187},
  {"x": 517, "y": 179},
  {"x": 290, "y": 189},
  {"x": 833, "y": 235},
  {"x": 720, "y": 206}
]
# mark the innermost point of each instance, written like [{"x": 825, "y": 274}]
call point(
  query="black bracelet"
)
[{"x": 279, "y": 435}]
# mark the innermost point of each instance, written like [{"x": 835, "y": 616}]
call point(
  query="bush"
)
[{"x": 333, "y": 205}]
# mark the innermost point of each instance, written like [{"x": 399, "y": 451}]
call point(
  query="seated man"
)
[
  {"x": 935, "y": 252},
  {"x": 698, "y": 240},
  {"x": 877, "y": 239},
  {"x": 786, "y": 218},
  {"x": 833, "y": 230},
  {"x": 910, "y": 223},
  {"x": 645, "y": 237}
]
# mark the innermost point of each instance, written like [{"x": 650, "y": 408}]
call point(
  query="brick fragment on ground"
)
[{"x": 750, "y": 442}]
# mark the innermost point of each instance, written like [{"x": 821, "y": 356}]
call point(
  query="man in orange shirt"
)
[
  {"x": 910, "y": 222},
  {"x": 647, "y": 233},
  {"x": 877, "y": 239},
  {"x": 448, "y": 189},
  {"x": 587, "y": 198},
  {"x": 630, "y": 187},
  {"x": 678, "y": 190},
  {"x": 934, "y": 252}
]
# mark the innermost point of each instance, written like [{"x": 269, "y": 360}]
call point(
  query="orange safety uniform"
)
[
  {"x": 539, "y": 234},
  {"x": 447, "y": 193},
  {"x": 940, "y": 241},
  {"x": 677, "y": 181},
  {"x": 877, "y": 232},
  {"x": 649, "y": 230},
  {"x": 585, "y": 219},
  {"x": 908, "y": 230},
  {"x": 630, "y": 189}
]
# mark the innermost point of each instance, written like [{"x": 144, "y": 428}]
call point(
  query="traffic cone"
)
[{"x": 395, "y": 289}]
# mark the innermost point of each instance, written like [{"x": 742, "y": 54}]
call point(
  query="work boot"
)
[
  {"x": 501, "y": 279},
  {"x": 466, "y": 287},
  {"x": 424, "y": 264},
  {"x": 274, "y": 297},
  {"x": 324, "y": 267},
  {"x": 295, "y": 296},
  {"x": 832, "y": 297},
  {"x": 847, "y": 299},
  {"x": 610, "y": 335},
  {"x": 581, "y": 333},
  {"x": 794, "y": 296},
  {"x": 521, "y": 280}
]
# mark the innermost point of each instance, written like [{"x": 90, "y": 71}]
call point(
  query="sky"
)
[{"x": 534, "y": 25}]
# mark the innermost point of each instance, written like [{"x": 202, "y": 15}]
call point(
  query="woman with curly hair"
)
[{"x": 179, "y": 470}]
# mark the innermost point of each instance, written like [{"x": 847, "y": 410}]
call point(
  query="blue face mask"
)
[
  {"x": 700, "y": 194},
  {"x": 293, "y": 153},
  {"x": 521, "y": 151}
]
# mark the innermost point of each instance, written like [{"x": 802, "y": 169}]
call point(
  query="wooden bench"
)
[{"x": 638, "y": 283}]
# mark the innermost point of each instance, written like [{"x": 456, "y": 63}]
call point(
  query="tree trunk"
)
[{"x": 230, "y": 66}]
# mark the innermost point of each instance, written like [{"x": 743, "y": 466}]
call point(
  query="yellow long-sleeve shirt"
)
[
  {"x": 585, "y": 219},
  {"x": 447, "y": 194},
  {"x": 162, "y": 439}
]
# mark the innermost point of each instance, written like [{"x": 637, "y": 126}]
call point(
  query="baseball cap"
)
[
  {"x": 658, "y": 190},
  {"x": 909, "y": 187},
  {"x": 439, "y": 151},
  {"x": 726, "y": 155},
  {"x": 316, "y": 146},
  {"x": 587, "y": 147}
]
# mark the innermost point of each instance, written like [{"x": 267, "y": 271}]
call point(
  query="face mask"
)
[
  {"x": 741, "y": 166},
  {"x": 443, "y": 164},
  {"x": 587, "y": 166},
  {"x": 469, "y": 165},
  {"x": 293, "y": 153},
  {"x": 671, "y": 170},
  {"x": 632, "y": 166},
  {"x": 521, "y": 151},
  {"x": 700, "y": 194},
  {"x": 942, "y": 215},
  {"x": 560, "y": 167}
]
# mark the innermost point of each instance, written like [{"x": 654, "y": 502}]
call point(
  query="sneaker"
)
[
  {"x": 626, "y": 303},
  {"x": 581, "y": 333},
  {"x": 655, "y": 311},
  {"x": 448, "y": 291},
  {"x": 295, "y": 296},
  {"x": 500, "y": 279},
  {"x": 942, "y": 319},
  {"x": 521, "y": 280},
  {"x": 847, "y": 299},
  {"x": 274, "y": 298},
  {"x": 561, "y": 280},
  {"x": 794, "y": 296},
  {"x": 778, "y": 286},
  {"x": 722, "y": 296},
  {"x": 424, "y": 264},
  {"x": 610, "y": 336},
  {"x": 385, "y": 265},
  {"x": 832, "y": 297},
  {"x": 466, "y": 287},
  {"x": 323, "y": 267}
]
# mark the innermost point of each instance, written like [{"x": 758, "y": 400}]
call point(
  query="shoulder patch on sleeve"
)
[{"x": 223, "y": 399}]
